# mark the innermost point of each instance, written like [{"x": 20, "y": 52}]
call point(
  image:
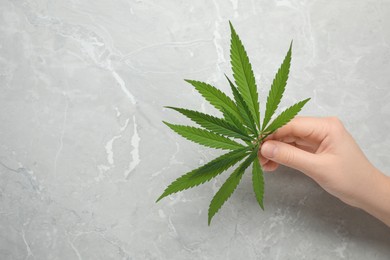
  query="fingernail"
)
[{"x": 268, "y": 150}]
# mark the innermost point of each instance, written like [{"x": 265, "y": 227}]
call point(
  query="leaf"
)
[
  {"x": 204, "y": 137},
  {"x": 258, "y": 182},
  {"x": 213, "y": 124},
  {"x": 243, "y": 74},
  {"x": 216, "y": 97},
  {"x": 243, "y": 109},
  {"x": 205, "y": 172},
  {"x": 234, "y": 121},
  {"x": 285, "y": 116},
  {"x": 277, "y": 88},
  {"x": 241, "y": 120},
  {"x": 229, "y": 186}
]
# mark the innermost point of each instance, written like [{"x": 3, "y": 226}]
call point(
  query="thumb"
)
[{"x": 288, "y": 155}]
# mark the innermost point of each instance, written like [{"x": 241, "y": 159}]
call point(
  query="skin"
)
[{"x": 324, "y": 150}]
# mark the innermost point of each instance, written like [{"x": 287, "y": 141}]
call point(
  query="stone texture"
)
[{"x": 84, "y": 154}]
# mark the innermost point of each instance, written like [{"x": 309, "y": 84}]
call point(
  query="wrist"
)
[{"x": 376, "y": 199}]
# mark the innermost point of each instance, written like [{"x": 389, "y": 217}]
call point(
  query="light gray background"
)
[{"x": 84, "y": 155}]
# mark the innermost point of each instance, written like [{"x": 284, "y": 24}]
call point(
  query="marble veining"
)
[{"x": 84, "y": 154}]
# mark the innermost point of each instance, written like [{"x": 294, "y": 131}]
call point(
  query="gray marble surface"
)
[{"x": 84, "y": 154}]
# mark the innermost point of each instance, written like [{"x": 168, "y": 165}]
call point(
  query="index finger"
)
[{"x": 312, "y": 129}]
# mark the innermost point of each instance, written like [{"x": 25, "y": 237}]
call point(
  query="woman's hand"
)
[{"x": 323, "y": 149}]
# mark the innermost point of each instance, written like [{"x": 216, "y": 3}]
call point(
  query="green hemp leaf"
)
[{"x": 239, "y": 130}]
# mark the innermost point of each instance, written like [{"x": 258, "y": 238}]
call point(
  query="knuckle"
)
[
  {"x": 334, "y": 120},
  {"x": 335, "y": 124}
]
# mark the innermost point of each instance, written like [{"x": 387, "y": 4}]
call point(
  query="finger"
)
[
  {"x": 308, "y": 148},
  {"x": 300, "y": 143},
  {"x": 270, "y": 166},
  {"x": 266, "y": 164},
  {"x": 307, "y": 128},
  {"x": 262, "y": 159},
  {"x": 289, "y": 155}
]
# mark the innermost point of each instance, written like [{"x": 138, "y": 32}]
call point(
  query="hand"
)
[{"x": 323, "y": 149}]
